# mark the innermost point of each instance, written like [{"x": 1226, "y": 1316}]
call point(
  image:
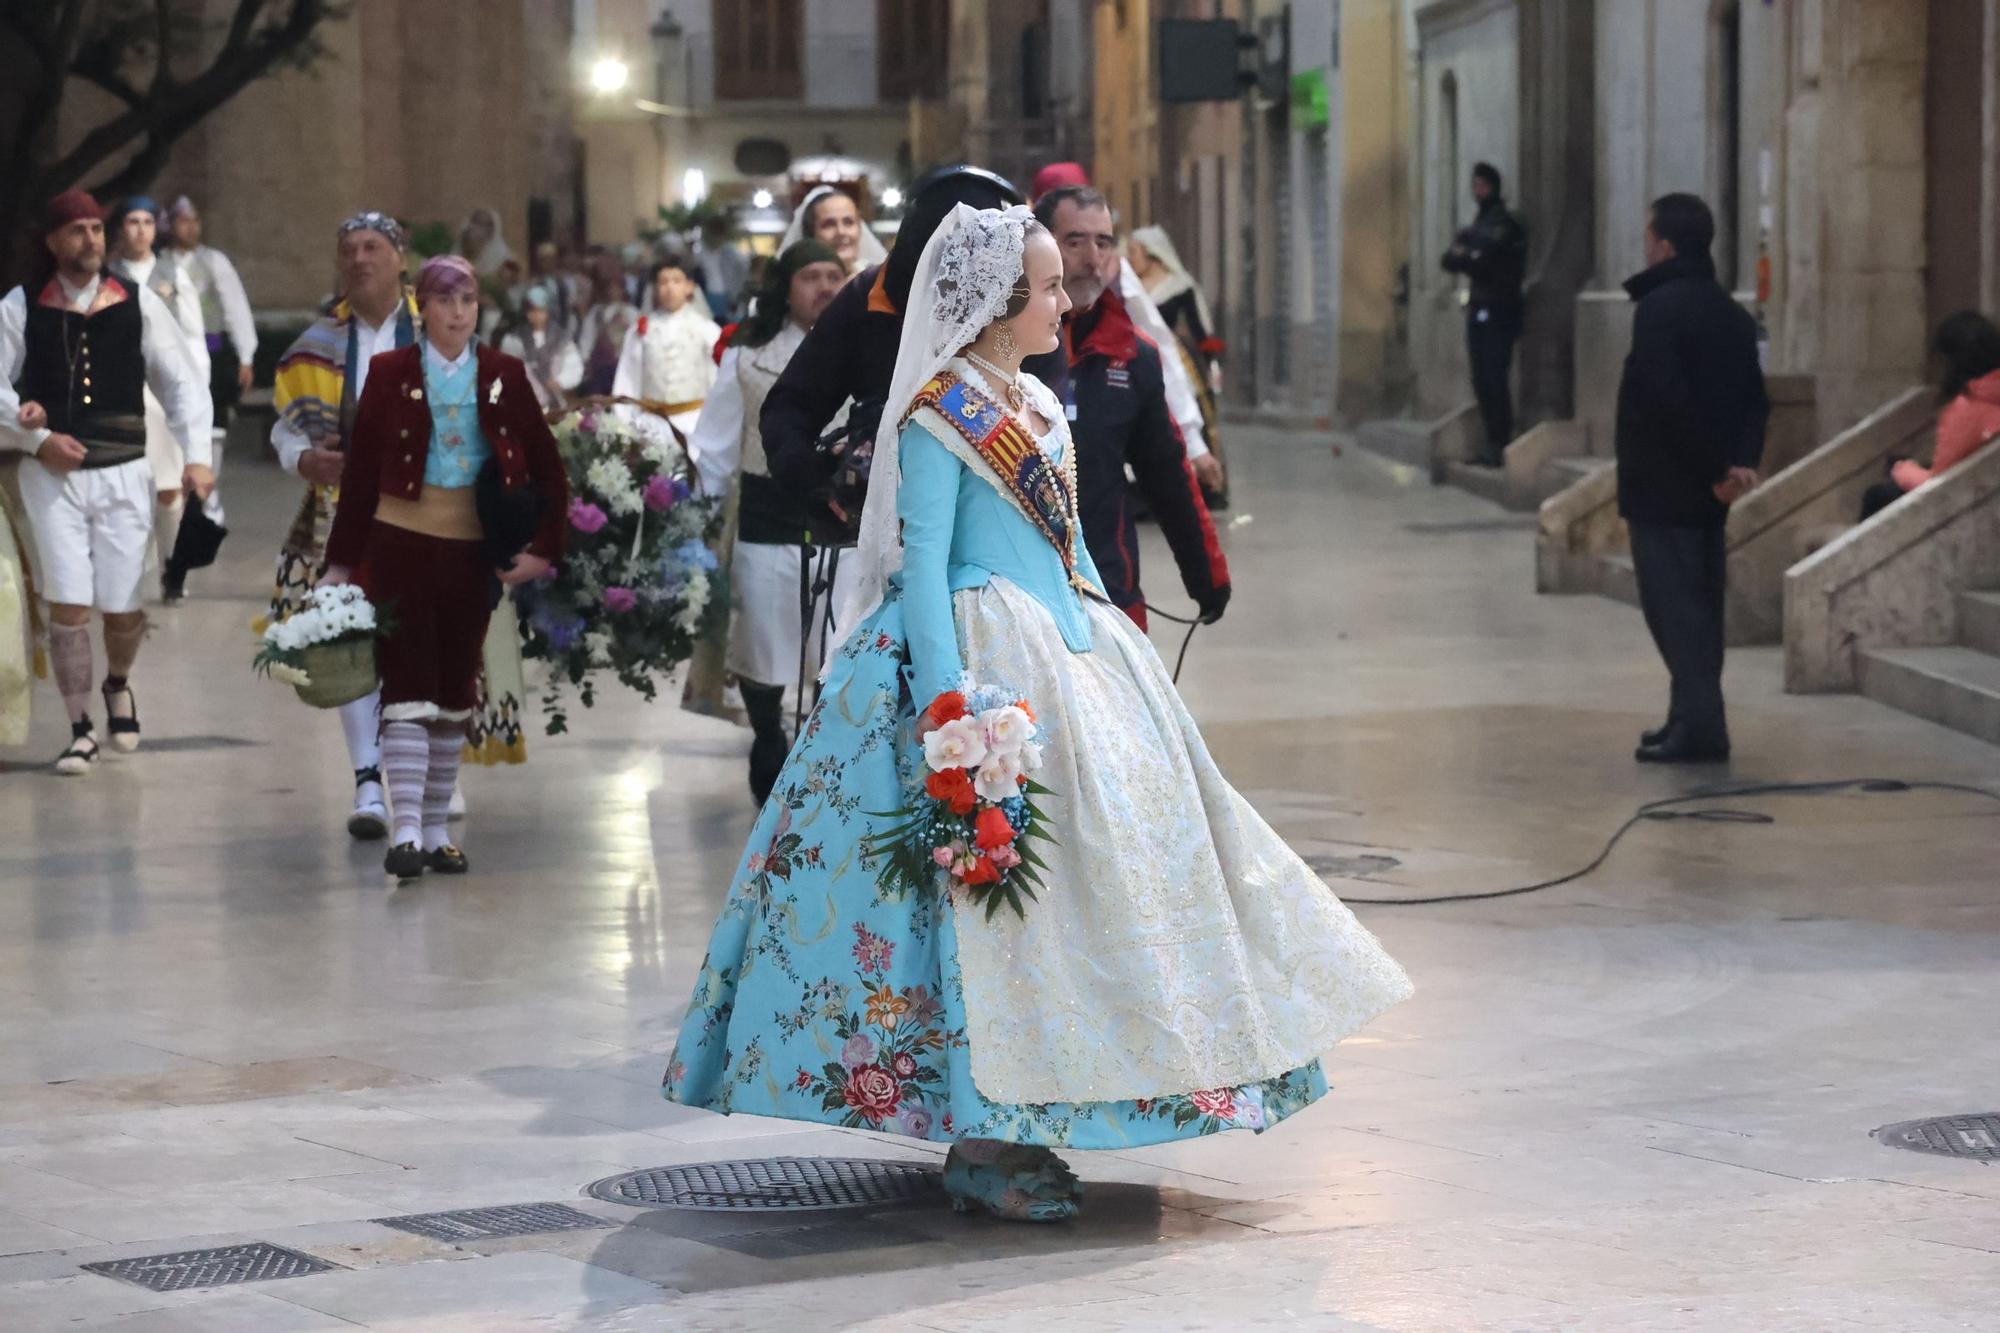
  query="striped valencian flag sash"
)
[{"x": 1042, "y": 489}]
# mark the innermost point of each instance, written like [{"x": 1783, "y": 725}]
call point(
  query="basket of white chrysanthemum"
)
[{"x": 326, "y": 649}]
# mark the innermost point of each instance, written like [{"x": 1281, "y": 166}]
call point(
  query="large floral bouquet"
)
[
  {"x": 977, "y": 819},
  {"x": 636, "y": 588},
  {"x": 326, "y": 649}
]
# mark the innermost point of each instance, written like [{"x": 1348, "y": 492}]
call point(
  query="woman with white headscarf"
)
[
  {"x": 1182, "y": 970},
  {"x": 831, "y": 217},
  {"x": 480, "y": 241}
]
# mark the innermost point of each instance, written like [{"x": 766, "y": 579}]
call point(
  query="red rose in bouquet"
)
[
  {"x": 947, "y": 707},
  {"x": 954, "y": 788},
  {"x": 983, "y": 872},
  {"x": 993, "y": 830}
]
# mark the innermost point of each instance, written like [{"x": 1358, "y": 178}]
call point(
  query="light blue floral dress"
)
[{"x": 1182, "y": 969}]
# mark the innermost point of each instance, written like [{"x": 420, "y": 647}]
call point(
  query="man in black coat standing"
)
[
  {"x": 1493, "y": 254},
  {"x": 1691, "y": 414}
]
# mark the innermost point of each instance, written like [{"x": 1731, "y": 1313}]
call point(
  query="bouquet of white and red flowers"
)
[{"x": 976, "y": 820}]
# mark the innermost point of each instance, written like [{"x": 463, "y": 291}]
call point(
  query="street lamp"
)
[
  {"x": 761, "y": 199},
  {"x": 610, "y": 75},
  {"x": 892, "y": 198},
  {"x": 694, "y": 186}
]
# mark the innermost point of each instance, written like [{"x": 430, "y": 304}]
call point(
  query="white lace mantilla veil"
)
[
  {"x": 963, "y": 281},
  {"x": 872, "y": 250}
]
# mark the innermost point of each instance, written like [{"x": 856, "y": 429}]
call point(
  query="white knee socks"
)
[
  {"x": 167, "y": 528},
  {"x": 362, "y": 721}
]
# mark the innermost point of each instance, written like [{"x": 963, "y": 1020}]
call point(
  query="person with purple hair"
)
[{"x": 448, "y": 438}]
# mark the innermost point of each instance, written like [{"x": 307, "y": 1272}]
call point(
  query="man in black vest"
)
[
  {"x": 1691, "y": 414},
  {"x": 75, "y": 360}
]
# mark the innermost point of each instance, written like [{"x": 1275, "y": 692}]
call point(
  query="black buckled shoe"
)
[
  {"x": 446, "y": 860},
  {"x": 406, "y": 861},
  {"x": 81, "y": 755},
  {"x": 124, "y": 730}
]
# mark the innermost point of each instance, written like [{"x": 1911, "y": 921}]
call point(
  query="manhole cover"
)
[
  {"x": 255, "y": 1262},
  {"x": 1974, "y": 1136},
  {"x": 525, "y": 1219},
  {"x": 1471, "y": 525},
  {"x": 797, "y": 1183},
  {"x": 1352, "y": 867}
]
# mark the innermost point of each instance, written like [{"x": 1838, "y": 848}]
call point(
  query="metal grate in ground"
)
[
  {"x": 766, "y": 1184},
  {"x": 257, "y": 1261},
  {"x": 1976, "y": 1137},
  {"x": 521, "y": 1219}
]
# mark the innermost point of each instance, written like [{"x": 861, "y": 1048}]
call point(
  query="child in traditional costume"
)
[
  {"x": 416, "y": 525},
  {"x": 669, "y": 356}
]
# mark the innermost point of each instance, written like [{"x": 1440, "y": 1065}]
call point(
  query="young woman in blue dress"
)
[{"x": 1181, "y": 971}]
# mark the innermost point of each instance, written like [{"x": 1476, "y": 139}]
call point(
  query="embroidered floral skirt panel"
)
[{"x": 1179, "y": 975}]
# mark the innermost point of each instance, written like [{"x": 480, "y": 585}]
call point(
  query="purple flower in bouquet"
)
[
  {"x": 586, "y": 517},
  {"x": 663, "y": 493},
  {"x": 620, "y": 600},
  {"x": 561, "y": 633}
]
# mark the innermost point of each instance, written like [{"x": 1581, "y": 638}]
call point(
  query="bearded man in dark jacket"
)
[
  {"x": 1493, "y": 253},
  {"x": 1691, "y": 416},
  {"x": 851, "y": 353}
]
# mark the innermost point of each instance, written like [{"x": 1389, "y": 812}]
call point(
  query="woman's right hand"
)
[{"x": 335, "y": 576}]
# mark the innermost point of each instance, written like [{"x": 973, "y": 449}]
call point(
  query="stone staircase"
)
[{"x": 1955, "y": 685}]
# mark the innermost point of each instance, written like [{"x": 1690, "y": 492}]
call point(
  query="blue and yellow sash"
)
[{"x": 1042, "y": 489}]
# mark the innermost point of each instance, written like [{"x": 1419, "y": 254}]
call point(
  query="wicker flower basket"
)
[{"x": 339, "y": 673}]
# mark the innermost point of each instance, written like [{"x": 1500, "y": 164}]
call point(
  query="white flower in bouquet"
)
[
  {"x": 999, "y": 778},
  {"x": 958, "y": 744},
  {"x": 1007, "y": 729},
  {"x": 611, "y": 479},
  {"x": 1030, "y": 757},
  {"x": 598, "y": 644}
]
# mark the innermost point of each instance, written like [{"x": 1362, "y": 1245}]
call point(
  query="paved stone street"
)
[{"x": 1642, "y": 1101}]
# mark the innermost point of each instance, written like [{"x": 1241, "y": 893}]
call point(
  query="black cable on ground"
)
[
  {"x": 1186, "y": 643},
  {"x": 1663, "y": 811}
]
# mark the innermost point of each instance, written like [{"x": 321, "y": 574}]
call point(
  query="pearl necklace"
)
[{"x": 1010, "y": 385}]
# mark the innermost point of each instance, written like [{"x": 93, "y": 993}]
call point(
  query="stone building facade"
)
[
  {"x": 1848, "y": 147},
  {"x": 424, "y": 111},
  {"x": 732, "y": 89}
]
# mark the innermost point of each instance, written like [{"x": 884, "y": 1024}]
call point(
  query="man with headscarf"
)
[
  {"x": 851, "y": 354},
  {"x": 320, "y": 378},
  {"x": 75, "y": 362},
  {"x": 780, "y": 592},
  {"x": 830, "y": 216},
  {"x": 1182, "y": 401}
]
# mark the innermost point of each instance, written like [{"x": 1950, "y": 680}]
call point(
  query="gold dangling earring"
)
[{"x": 1004, "y": 345}]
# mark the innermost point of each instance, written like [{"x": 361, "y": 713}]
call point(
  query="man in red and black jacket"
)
[{"x": 1109, "y": 378}]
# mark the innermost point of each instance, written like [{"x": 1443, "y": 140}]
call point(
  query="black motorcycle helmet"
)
[{"x": 931, "y": 201}]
